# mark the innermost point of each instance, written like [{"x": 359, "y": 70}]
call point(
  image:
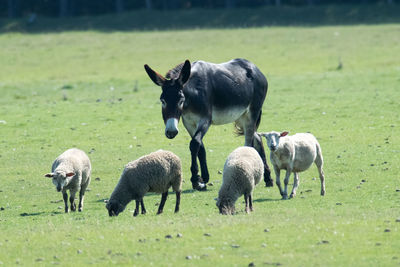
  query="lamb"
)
[
  {"x": 155, "y": 172},
  {"x": 71, "y": 171},
  {"x": 295, "y": 154},
  {"x": 243, "y": 170}
]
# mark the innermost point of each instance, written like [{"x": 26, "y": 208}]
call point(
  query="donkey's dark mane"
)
[{"x": 174, "y": 73}]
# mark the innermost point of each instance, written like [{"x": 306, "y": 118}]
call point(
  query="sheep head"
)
[
  {"x": 273, "y": 139},
  {"x": 226, "y": 206},
  {"x": 60, "y": 178},
  {"x": 114, "y": 207}
]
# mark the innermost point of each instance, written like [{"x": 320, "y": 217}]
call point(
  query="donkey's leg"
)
[
  {"x": 249, "y": 123},
  {"x": 195, "y": 146},
  {"x": 162, "y": 203},
  {"x": 258, "y": 145},
  {"x": 203, "y": 164},
  {"x": 194, "y": 168}
]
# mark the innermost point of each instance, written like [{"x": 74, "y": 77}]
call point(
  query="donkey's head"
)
[{"x": 172, "y": 97}]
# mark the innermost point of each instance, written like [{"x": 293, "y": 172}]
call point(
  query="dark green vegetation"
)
[
  {"x": 89, "y": 90},
  {"x": 214, "y": 18}
]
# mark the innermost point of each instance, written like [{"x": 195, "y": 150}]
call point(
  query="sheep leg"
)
[
  {"x": 286, "y": 181},
  {"x": 251, "y": 202},
  {"x": 136, "y": 212},
  {"x": 322, "y": 178},
  {"x": 142, "y": 205},
  {"x": 163, "y": 199},
  {"x": 65, "y": 197},
  {"x": 178, "y": 200},
  {"x": 278, "y": 179},
  {"x": 319, "y": 162},
  {"x": 295, "y": 184},
  {"x": 246, "y": 201},
  {"x": 72, "y": 200},
  {"x": 82, "y": 196}
]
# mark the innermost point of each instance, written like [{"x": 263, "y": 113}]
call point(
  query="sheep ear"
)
[
  {"x": 49, "y": 175},
  {"x": 284, "y": 133},
  {"x": 264, "y": 134},
  {"x": 70, "y": 174}
]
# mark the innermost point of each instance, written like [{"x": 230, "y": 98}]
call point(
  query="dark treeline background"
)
[{"x": 64, "y": 8}]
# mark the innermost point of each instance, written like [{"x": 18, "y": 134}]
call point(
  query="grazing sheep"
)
[
  {"x": 294, "y": 154},
  {"x": 71, "y": 171},
  {"x": 155, "y": 172},
  {"x": 243, "y": 170}
]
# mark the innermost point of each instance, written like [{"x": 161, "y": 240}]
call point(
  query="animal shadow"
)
[
  {"x": 266, "y": 200},
  {"x": 24, "y": 214}
]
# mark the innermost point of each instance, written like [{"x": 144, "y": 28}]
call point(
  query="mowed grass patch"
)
[{"x": 89, "y": 90}]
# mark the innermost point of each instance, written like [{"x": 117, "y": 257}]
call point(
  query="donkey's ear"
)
[
  {"x": 185, "y": 72},
  {"x": 284, "y": 133},
  {"x": 158, "y": 79}
]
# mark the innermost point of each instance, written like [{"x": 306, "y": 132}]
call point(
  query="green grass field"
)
[{"x": 88, "y": 89}]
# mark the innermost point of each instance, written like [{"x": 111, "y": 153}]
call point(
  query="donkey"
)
[{"x": 205, "y": 93}]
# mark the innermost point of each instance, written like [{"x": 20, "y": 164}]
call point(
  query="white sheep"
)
[
  {"x": 243, "y": 170},
  {"x": 295, "y": 154},
  {"x": 71, "y": 171},
  {"x": 155, "y": 172}
]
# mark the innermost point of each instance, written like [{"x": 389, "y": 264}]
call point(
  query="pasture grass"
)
[{"x": 89, "y": 90}]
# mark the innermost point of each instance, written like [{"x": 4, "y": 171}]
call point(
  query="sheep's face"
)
[
  {"x": 226, "y": 206},
  {"x": 273, "y": 139},
  {"x": 60, "y": 179},
  {"x": 114, "y": 207}
]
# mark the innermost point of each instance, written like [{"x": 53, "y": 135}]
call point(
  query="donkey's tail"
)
[{"x": 239, "y": 129}]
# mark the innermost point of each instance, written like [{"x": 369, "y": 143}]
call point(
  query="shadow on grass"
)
[
  {"x": 266, "y": 200},
  {"x": 144, "y": 20},
  {"x": 187, "y": 191},
  {"x": 24, "y": 214}
]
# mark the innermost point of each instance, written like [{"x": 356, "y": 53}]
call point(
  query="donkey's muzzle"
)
[
  {"x": 171, "y": 134},
  {"x": 171, "y": 128}
]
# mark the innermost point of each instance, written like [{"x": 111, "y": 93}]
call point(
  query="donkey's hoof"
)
[
  {"x": 269, "y": 183},
  {"x": 199, "y": 187}
]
